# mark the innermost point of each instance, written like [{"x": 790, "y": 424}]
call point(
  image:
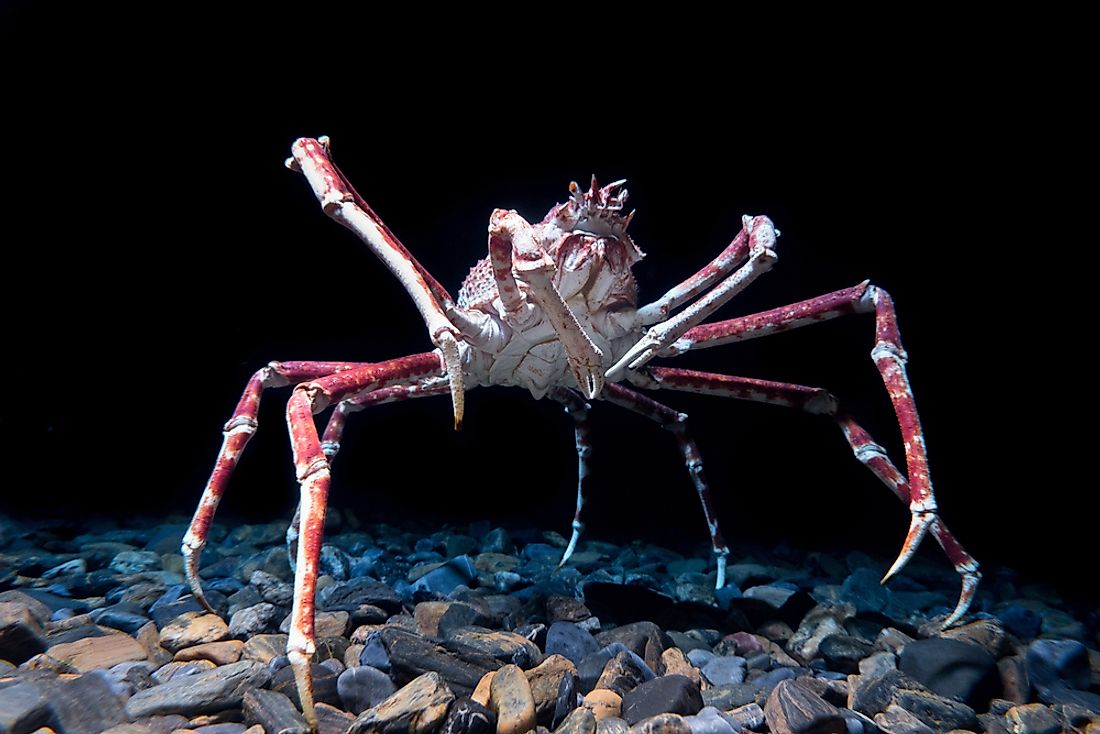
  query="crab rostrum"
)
[{"x": 553, "y": 309}]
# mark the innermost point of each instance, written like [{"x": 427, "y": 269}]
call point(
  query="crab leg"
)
[
  {"x": 761, "y": 237},
  {"x": 871, "y": 454},
  {"x": 330, "y": 439},
  {"x": 676, "y": 422},
  {"x": 312, "y": 469},
  {"x": 514, "y": 250},
  {"x": 889, "y": 358},
  {"x": 734, "y": 254},
  {"x": 238, "y": 430},
  {"x": 341, "y": 202},
  {"x": 578, "y": 408}
]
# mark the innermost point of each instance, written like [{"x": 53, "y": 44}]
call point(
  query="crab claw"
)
[
  {"x": 448, "y": 345},
  {"x": 918, "y": 528}
]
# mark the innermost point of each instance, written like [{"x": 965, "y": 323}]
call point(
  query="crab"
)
[{"x": 554, "y": 310}]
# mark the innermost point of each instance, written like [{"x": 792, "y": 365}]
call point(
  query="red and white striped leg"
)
[
  {"x": 819, "y": 401},
  {"x": 238, "y": 430},
  {"x": 889, "y": 358},
  {"x": 761, "y": 236},
  {"x": 578, "y": 408},
  {"x": 676, "y": 422},
  {"x": 330, "y": 439},
  {"x": 312, "y": 469}
]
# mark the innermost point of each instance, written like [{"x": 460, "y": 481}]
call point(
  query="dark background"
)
[{"x": 157, "y": 252}]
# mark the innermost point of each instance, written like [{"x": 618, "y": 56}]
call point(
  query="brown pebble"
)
[
  {"x": 417, "y": 708},
  {"x": 676, "y": 663},
  {"x": 149, "y": 639},
  {"x": 220, "y": 653},
  {"x": 90, "y": 653},
  {"x": 262, "y": 648},
  {"x": 604, "y": 703},
  {"x": 192, "y": 628},
  {"x": 661, "y": 724},
  {"x": 545, "y": 680},
  {"x": 793, "y": 708},
  {"x": 481, "y": 690},
  {"x": 579, "y": 721},
  {"x": 510, "y": 698},
  {"x": 427, "y": 615}
]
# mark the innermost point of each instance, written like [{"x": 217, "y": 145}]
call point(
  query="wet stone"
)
[
  {"x": 363, "y": 687},
  {"x": 262, "y": 648},
  {"x": 843, "y": 652},
  {"x": 1020, "y": 621},
  {"x": 21, "y": 633},
  {"x": 725, "y": 671},
  {"x": 941, "y": 714},
  {"x": 580, "y": 720},
  {"x": 202, "y": 693},
  {"x": 191, "y": 629},
  {"x": 1032, "y": 718},
  {"x": 467, "y": 716},
  {"x": 624, "y": 672},
  {"x": 661, "y": 724},
  {"x": 952, "y": 669},
  {"x": 818, "y": 624},
  {"x": 219, "y": 653},
  {"x": 674, "y": 662},
  {"x": 987, "y": 634},
  {"x": 506, "y": 647},
  {"x": 792, "y": 708},
  {"x": 103, "y": 651},
  {"x": 127, "y": 617},
  {"x": 134, "y": 561},
  {"x": 511, "y": 699},
  {"x": 324, "y": 684},
  {"x": 731, "y": 697},
  {"x": 274, "y": 712},
  {"x": 349, "y": 596},
  {"x": 1014, "y": 683},
  {"x": 896, "y": 720},
  {"x": 374, "y": 653},
  {"x": 570, "y": 641},
  {"x": 272, "y": 589},
  {"x": 666, "y": 694},
  {"x": 1057, "y": 663},
  {"x": 250, "y": 621},
  {"x": 643, "y": 638},
  {"x": 167, "y": 672},
  {"x": 175, "y": 601},
  {"x": 443, "y": 579},
  {"x": 604, "y": 703},
  {"x": 874, "y": 694},
  {"x": 712, "y": 721},
  {"x": 546, "y": 681},
  {"x": 417, "y": 708},
  {"x": 566, "y": 609},
  {"x": 23, "y": 708},
  {"x": 411, "y": 655},
  {"x": 85, "y": 704},
  {"x": 864, "y": 591}
]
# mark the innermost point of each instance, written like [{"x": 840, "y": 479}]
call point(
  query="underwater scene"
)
[{"x": 726, "y": 426}]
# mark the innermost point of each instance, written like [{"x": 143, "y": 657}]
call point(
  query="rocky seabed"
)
[{"x": 476, "y": 630}]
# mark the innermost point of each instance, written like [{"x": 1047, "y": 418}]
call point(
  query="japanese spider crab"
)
[{"x": 553, "y": 309}]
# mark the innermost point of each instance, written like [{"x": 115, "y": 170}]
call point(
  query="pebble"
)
[
  {"x": 665, "y": 694},
  {"x": 511, "y": 700},
  {"x": 202, "y": 693},
  {"x": 274, "y": 712},
  {"x": 219, "y": 653},
  {"x": 1055, "y": 664},
  {"x": 467, "y": 716},
  {"x": 102, "y": 651},
  {"x": 952, "y": 669},
  {"x": 793, "y": 708},
  {"x": 579, "y": 721},
  {"x": 546, "y": 682},
  {"x": 192, "y": 628},
  {"x": 127, "y": 633},
  {"x": 363, "y": 687},
  {"x": 1032, "y": 718},
  {"x": 570, "y": 641},
  {"x": 254, "y": 620},
  {"x": 21, "y": 633}
]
